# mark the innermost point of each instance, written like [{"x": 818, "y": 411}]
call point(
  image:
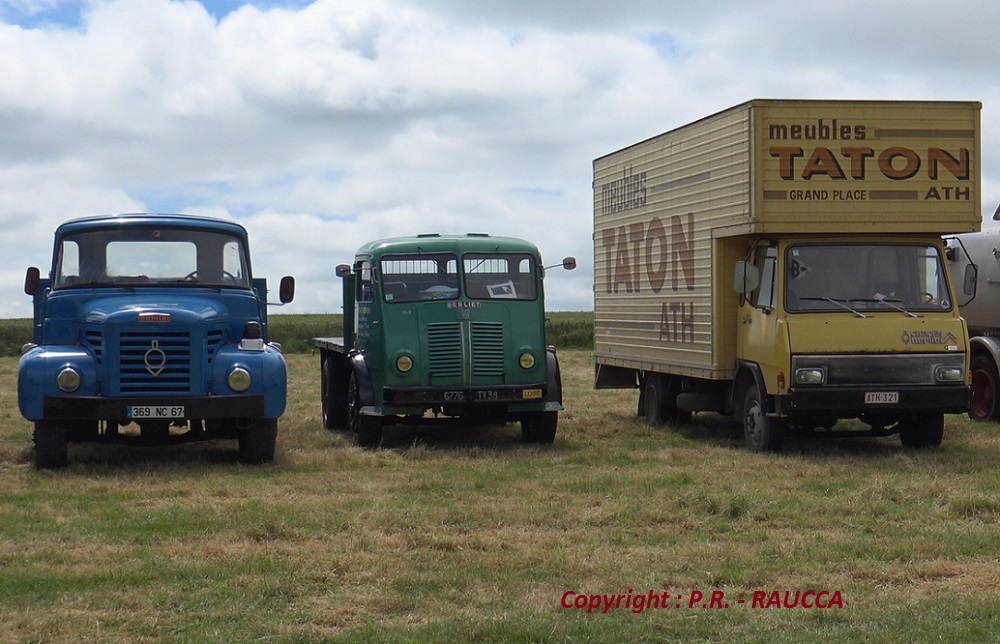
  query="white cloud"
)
[{"x": 323, "y": 126}]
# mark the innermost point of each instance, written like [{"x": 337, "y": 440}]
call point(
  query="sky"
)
[{"x": 322, "y": 125}]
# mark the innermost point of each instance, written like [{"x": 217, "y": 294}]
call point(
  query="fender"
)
[
  {"x": 985, "y": 344},
  {"x": 553, "y": 379},
  {"x": 746, "y": 369},
  {"x": 364, "y": 379}
]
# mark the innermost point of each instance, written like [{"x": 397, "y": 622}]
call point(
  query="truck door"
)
[{"x": 760, "y": 334}]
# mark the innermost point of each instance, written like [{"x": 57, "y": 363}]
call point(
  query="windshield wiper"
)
[
  {"x": 884, "y": 300},
  {"x": 839, "y": 303}
]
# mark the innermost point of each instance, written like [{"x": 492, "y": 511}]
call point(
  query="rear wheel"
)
[
  {"x": 366, "y": 430},
  {"x": 659, "y": 398},
  {"x": 333, "y": 394},
  {"x": 922, "y": 431},
  {"x": 762, "y": 433},
  {"x": 51, "y": 450},
  {"x": 539, "y": 427},
  {"x": 257, "y": 442},
  {"x": 983, "y": 406}
]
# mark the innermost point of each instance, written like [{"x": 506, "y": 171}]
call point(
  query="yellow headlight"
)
[
  {"x": 239, "y": 379},
  {"x": 404, "y": 363},
  {"x": 68, "y": 379},
  {"x": 526, "y": 360}
]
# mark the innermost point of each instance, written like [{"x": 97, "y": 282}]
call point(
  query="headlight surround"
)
[
  {"x": 69, "y": 379},
  {"x": 404, "y": 363},
  {"x": 239, "y": 379},
  {"x": 949, "y": 373},
  {"x": 810, "y": 376},
  {"x": 526, "y": 360}
]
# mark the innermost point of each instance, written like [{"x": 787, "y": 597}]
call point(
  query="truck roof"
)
[
  {"x": 439, "y": 243},
  {"x": 94, "y": 222}
]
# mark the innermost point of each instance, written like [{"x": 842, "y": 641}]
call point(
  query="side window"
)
[
  {"x": 68, "y": 271},
  {"x": 232, "y": 262},
  {"x": 766, "y": 260},
  {"x": 363, "y": 269}
]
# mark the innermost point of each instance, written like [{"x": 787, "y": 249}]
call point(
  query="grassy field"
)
[{"x": 454, "y": 534}]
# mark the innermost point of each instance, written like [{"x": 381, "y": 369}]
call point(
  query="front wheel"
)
[
  {"x": 366, "y": 430},
  {"x": 257, "y": 442},
  {"x": 762, "y": 433},
  {"x": 983, "y": 406},
  {"x": 539, "y": 427},
  {"x": 51, "y": 438},
  {"x": 922, "y": 431}
]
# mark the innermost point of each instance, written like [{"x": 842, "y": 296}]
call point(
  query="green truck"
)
[{"x": 440, "y": 327}]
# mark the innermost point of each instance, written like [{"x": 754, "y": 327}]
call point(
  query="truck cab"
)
[
  {"x": 151, "y": 329},
  {"x": 849, "y": 327},
  {"x": 442, "y": 326}
]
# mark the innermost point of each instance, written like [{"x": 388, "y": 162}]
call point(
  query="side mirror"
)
[
  {"x": 343, "y": 270},
  {"x": 31, "y": 279},
  {"x": 286, "y": 291},
  {"x": 746, "y": 277},
  {"x": 569, "y": 263},
  {"x": 970, "y": 279}
]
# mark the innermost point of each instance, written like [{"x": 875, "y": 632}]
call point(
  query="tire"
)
[
  {"x": 51, "y": 438},
  {"x": 257, "y": 442},
  {"x": 984, "y": 402},
  {"x": 333, "y": 394},
  {"x": 539, "y": 427},
  {"x": 366, "y": 430},
  {"x": 659, "y": 396},
  {"x": 924, "y": 431},
  {"x": 762, "y": 433}
]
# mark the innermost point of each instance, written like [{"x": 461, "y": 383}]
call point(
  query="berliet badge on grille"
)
[{"x": 155, "y": 359}]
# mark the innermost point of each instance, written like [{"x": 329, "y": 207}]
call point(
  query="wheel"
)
[
  {"x": 762, "y": 433},
  {"x": 332, "y": 394},
  {"x": 659, "y": 396},
  {"x": 51, "y": 437},
  {"x": 539, "y": 427},
  {"x": 983, "y": 406},
  {"x": 922, "y": 431},
  {"x": 257, "y": 441},
  {"x": 366, "y": 430}
]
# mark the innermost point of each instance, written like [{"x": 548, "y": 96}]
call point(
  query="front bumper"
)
[
  {"x": 195, "y": 407},
  {"x": 848, "y": 401}
]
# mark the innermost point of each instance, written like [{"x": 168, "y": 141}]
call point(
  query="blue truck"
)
[{"x": 151, "y": 329}]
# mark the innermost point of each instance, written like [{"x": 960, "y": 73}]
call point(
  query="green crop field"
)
[{"x": 458, "y": 534}]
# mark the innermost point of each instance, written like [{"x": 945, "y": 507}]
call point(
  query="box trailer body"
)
[
  {"x": 442, "y": 327},
  {"x": 783, "y": 260},
  {"x": 151, "y": 329}
]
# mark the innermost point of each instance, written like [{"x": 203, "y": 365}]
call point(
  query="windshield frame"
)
[
  {"x": 853, "y": 277},
  {"x": 151, "y": 256}
]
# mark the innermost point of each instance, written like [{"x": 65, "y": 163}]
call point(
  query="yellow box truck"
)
[{"x": 783, "y": 260}]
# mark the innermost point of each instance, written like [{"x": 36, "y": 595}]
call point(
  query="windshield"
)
[
  {"x": 150, "y": 257},
  {"x": 865, "y": 277},
  {"x": 486, "y": 276}
]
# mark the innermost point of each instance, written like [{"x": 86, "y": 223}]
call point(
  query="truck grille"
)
[
  {"x": 902, "y": 369},
  {"x": 466, "y": 350},
  {"x": 142, "y": 370}
]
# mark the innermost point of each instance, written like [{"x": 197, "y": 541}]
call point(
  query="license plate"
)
[
  {"x": 156, "y": 411},
  {"x": 531, "y": 394},
  {"x": 881, "y": 397}
]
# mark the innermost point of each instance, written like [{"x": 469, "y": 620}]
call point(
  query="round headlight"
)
[
  {"x": 239, "y": 379},
  {"x": 68, "y": 379},
  {"x": 404, "y": 363},
  {"x": 526, "y": 360}
]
